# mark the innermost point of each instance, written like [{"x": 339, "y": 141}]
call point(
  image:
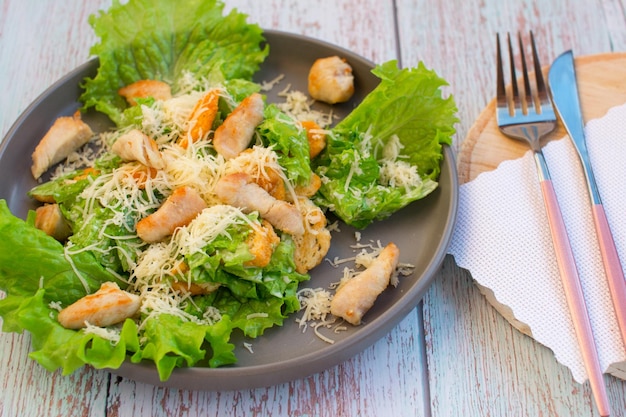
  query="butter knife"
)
[{"x": 564, "y": 90}]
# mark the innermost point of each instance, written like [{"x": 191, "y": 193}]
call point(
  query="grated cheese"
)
[
  {"x": 268, "y": 85},
  {"x": 55, "y": 305},
  {"x": 298, "y": 106},
  {"x": 111, "y": 334}
]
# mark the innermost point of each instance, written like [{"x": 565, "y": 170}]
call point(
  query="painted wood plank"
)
[
  {"x": 477, "y": 362},
  {"x": 373, "y": 383},
  {"x": 40, "y": 41}
]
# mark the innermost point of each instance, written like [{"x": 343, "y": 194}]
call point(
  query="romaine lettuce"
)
[
  {"x": 163, "y": 39},
  {"x": 406, "y": 106}
]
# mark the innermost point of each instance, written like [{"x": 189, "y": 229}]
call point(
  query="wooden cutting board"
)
[{"x": 602, "y": 85}]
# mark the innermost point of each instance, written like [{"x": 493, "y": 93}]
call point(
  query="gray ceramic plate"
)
[{"x": 422, "y": 232}]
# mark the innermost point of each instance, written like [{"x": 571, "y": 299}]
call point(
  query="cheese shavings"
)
[
  {"x": 298, "y": 106},
  {"x": 111, "y": 334},
  {"x": 315, "y": 307}
]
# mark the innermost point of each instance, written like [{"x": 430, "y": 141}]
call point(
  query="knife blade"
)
[{"x": 563, "y": 86}]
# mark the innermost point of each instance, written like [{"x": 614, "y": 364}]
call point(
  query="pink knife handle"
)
[
  {"x": 612, "y": 266},
  {"x": 574, "y": 296}
]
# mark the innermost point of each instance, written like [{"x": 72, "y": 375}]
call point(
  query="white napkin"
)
[{"x": 502, "y": 237}]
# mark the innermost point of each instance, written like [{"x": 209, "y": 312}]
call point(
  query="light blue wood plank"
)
[{"x": 477, "y": 361}]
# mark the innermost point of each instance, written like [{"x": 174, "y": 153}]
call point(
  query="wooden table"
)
[{"x": 454, "y": 355}]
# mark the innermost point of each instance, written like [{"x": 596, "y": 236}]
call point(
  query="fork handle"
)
[
  {"x": 574, "y": 296},
  {"x": 612, "y": 266}
]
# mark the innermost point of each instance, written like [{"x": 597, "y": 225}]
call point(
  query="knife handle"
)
[
  {"x": 574, "y": 296},
  {"x": 612, "y": 266}
]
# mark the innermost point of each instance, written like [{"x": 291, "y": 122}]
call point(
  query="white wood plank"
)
[
  {"x": 383, "y": 380},
  {"x": 477, "y": 361},
  {"x": 373, "y": 383},
  {"x": 35, "y": 51}
]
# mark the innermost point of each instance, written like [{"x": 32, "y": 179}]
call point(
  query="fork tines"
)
[{"x": 530, "y": 100}]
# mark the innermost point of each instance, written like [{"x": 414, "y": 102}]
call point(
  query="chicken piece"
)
[
  {"x": 314, "y": 243},
  {"x": 49, "y": 219},
  {"x": 66, "y": 135},
  {"x": 262, "y": 242},
  {"x": 201, "y": 118},
  {"x": 331, "y": 80},
  {"x": 241, "y": 191},
  {"x": 234, "y": 135},
  {"x": 107, "y": 306},
  {"x": 265, "y": 172},
  {"x": 136, "y": 146},
  {"x": 354, "y": 298},
  {"x": 316, "y": 137},
  {"x": 273, "y": 183},
  {"x": 178, "y": 210},
  {"x": 158, "y": 90}
]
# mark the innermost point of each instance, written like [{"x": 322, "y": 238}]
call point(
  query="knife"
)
[{"x": 564, "y": 91}]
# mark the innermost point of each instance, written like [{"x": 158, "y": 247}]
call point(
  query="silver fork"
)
[{"x": 530, "y": 116}]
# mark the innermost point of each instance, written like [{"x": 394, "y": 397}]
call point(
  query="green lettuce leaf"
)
[
  {"x": 172, "y": 342},
  {"x": 23, "y": 271},
  {"x": 163, "y": 39},
  {"x": 289, "y": 142},
  {"x": 407, "y": 106}
]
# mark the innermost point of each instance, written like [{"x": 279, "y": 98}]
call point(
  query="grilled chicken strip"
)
[
  {"x": 109, "y": 305},
  {"x": 66, "y": 135},
  {"x": 144, "y": 89},
  {"x": 178, "y": 210},
  {"x": 137, "y": 146},
  {"x": 234, "y": 135},
  {"x": 354, "y": 298},
  {"x": 241, "y": 191},
  {"x": 201, "y": 118}
]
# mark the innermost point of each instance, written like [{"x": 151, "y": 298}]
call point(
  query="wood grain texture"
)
[
  {"x": 602, "y": 85},
  {"x": 387, "y": 377},
  {"x": 469, "y": 345}
]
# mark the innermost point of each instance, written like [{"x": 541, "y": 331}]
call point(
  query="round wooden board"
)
[{"x": 601, "y": 86}]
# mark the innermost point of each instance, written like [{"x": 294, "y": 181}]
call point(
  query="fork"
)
[{"x": 529, "y": 116}]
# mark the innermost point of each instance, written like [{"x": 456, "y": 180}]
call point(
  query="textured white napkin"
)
[{"x": 502, "y": 237}]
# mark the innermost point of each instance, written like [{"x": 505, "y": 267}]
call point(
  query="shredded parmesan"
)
[
  {"x": 315, "y": 310},
  {"x": 268, "y": 85},
  {"x": 111, "y": 334},
  {"x": 55, "y": 305},
  {"x": 298, "y": 106}
]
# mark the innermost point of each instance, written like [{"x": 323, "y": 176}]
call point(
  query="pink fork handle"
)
[
  {"x": 612, "y": 266},
  {"x": 574, "y": 296}
]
